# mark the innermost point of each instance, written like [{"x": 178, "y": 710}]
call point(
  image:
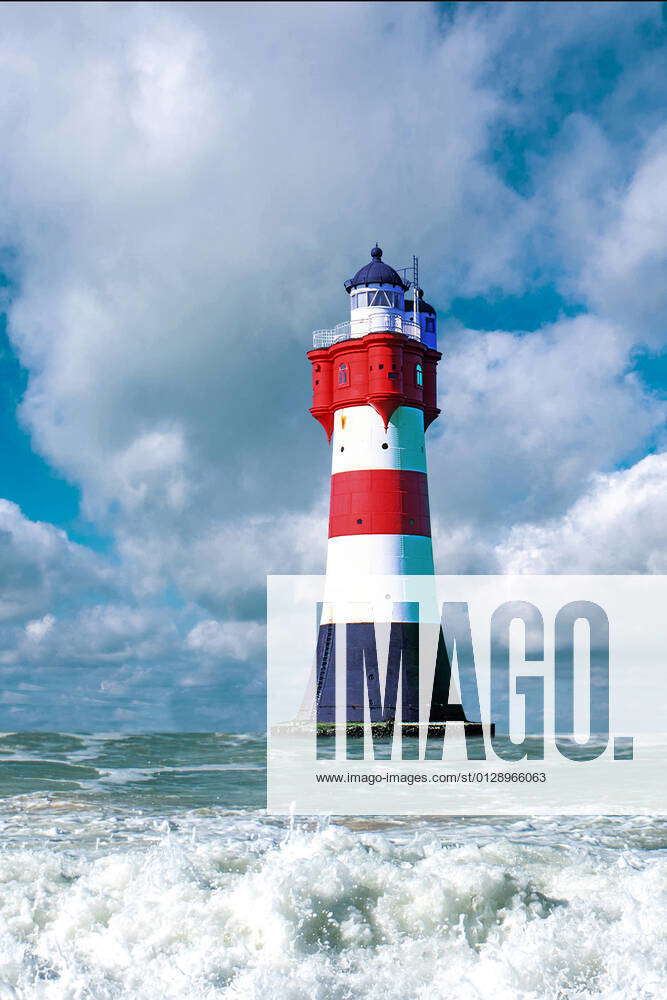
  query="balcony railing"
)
[
  {"x": 325, "y": 338},
  {"x": 375, "y": 323}
]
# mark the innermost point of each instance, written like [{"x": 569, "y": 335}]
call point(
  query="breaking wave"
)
[{"x": 101, "y": 899}]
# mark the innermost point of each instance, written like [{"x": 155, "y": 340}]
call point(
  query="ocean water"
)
[{"x": 146, "y": 867}]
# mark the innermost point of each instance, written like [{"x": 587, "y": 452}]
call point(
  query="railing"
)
[
  {"x": 411, "y": 329},
  {"x": 325, "y": 338},
  {"x": 375, "y": 323}
]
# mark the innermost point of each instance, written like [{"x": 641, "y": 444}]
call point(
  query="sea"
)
[{"x": 146, "y": 866}]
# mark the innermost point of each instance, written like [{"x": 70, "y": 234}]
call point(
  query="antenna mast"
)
[{"x": 415, "y": 282}]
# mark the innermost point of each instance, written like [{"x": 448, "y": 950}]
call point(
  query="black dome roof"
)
[{"x": 376, "y": 273}]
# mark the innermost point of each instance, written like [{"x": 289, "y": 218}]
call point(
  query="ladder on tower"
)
[
  {"x": 315, "y": 686},
  {"x": 326, "y": 655}
]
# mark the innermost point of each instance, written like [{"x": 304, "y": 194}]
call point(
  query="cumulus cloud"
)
[
  {"x": 239, "y": 640},
  {"x": 526, "y": 419},
  {"x": 186, "y": 186},
  {"x": 37, "y": 629},
  {"x": 40, "y": 566},
  {"x": 189, "y": 273},
  {"x": 129, "y": 666},
  {"x": 617, "y": 526},
  {"x": 181, "y": 224},
  {"x": 626, "y": 274}
]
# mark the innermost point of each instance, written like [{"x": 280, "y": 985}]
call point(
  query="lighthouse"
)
[{"x": 375, "y": 394}]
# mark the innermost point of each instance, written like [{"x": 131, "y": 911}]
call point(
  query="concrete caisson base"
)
[{"x": 379, "y": 729}]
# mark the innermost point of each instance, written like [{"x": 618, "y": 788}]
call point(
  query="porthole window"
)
[
  {"x": 342, "y": 447},
  {"x": 342, "y": 374},
  {"x": 360, "y": 520},
  {"x": 385, "y": 446},
  {"x": 419, "y": 375}
]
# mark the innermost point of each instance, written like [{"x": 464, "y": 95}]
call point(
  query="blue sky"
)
[{"x": 185, "y": 188}]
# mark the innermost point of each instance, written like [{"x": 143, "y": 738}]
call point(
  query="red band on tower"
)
[{"x": 379, "y": 502}]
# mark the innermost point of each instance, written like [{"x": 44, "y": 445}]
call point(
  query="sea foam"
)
[
  {"x": 153, "y": 873},
  {"x": 247, "y": 909}
]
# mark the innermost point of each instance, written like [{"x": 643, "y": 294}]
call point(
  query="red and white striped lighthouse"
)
[{"x": 374, "y": 392}]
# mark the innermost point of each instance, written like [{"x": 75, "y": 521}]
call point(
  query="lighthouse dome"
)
[{"x": 376, "y": 273}]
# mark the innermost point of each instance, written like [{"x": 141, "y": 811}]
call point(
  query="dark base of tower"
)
[
  {"x": 379, "y": 729},
  {"x": 365, "y": 697}
]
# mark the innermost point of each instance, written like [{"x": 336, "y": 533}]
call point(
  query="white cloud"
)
[
  {"x": 39, "y": 565},
  {"x": 239, "y": 640},
  {"x": 151, "y": 464},
  {"x": 184, "y": 224},
  {"x": 618, "y": 526},
  {"x": 526, "y": 418},
  {"x": 37, "y": 629},
  {"x": 625, "y": 275},
  {"x": 183, "y": 198}
]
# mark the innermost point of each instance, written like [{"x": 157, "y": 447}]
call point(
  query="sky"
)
[{"x": 185, "y": 188}]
